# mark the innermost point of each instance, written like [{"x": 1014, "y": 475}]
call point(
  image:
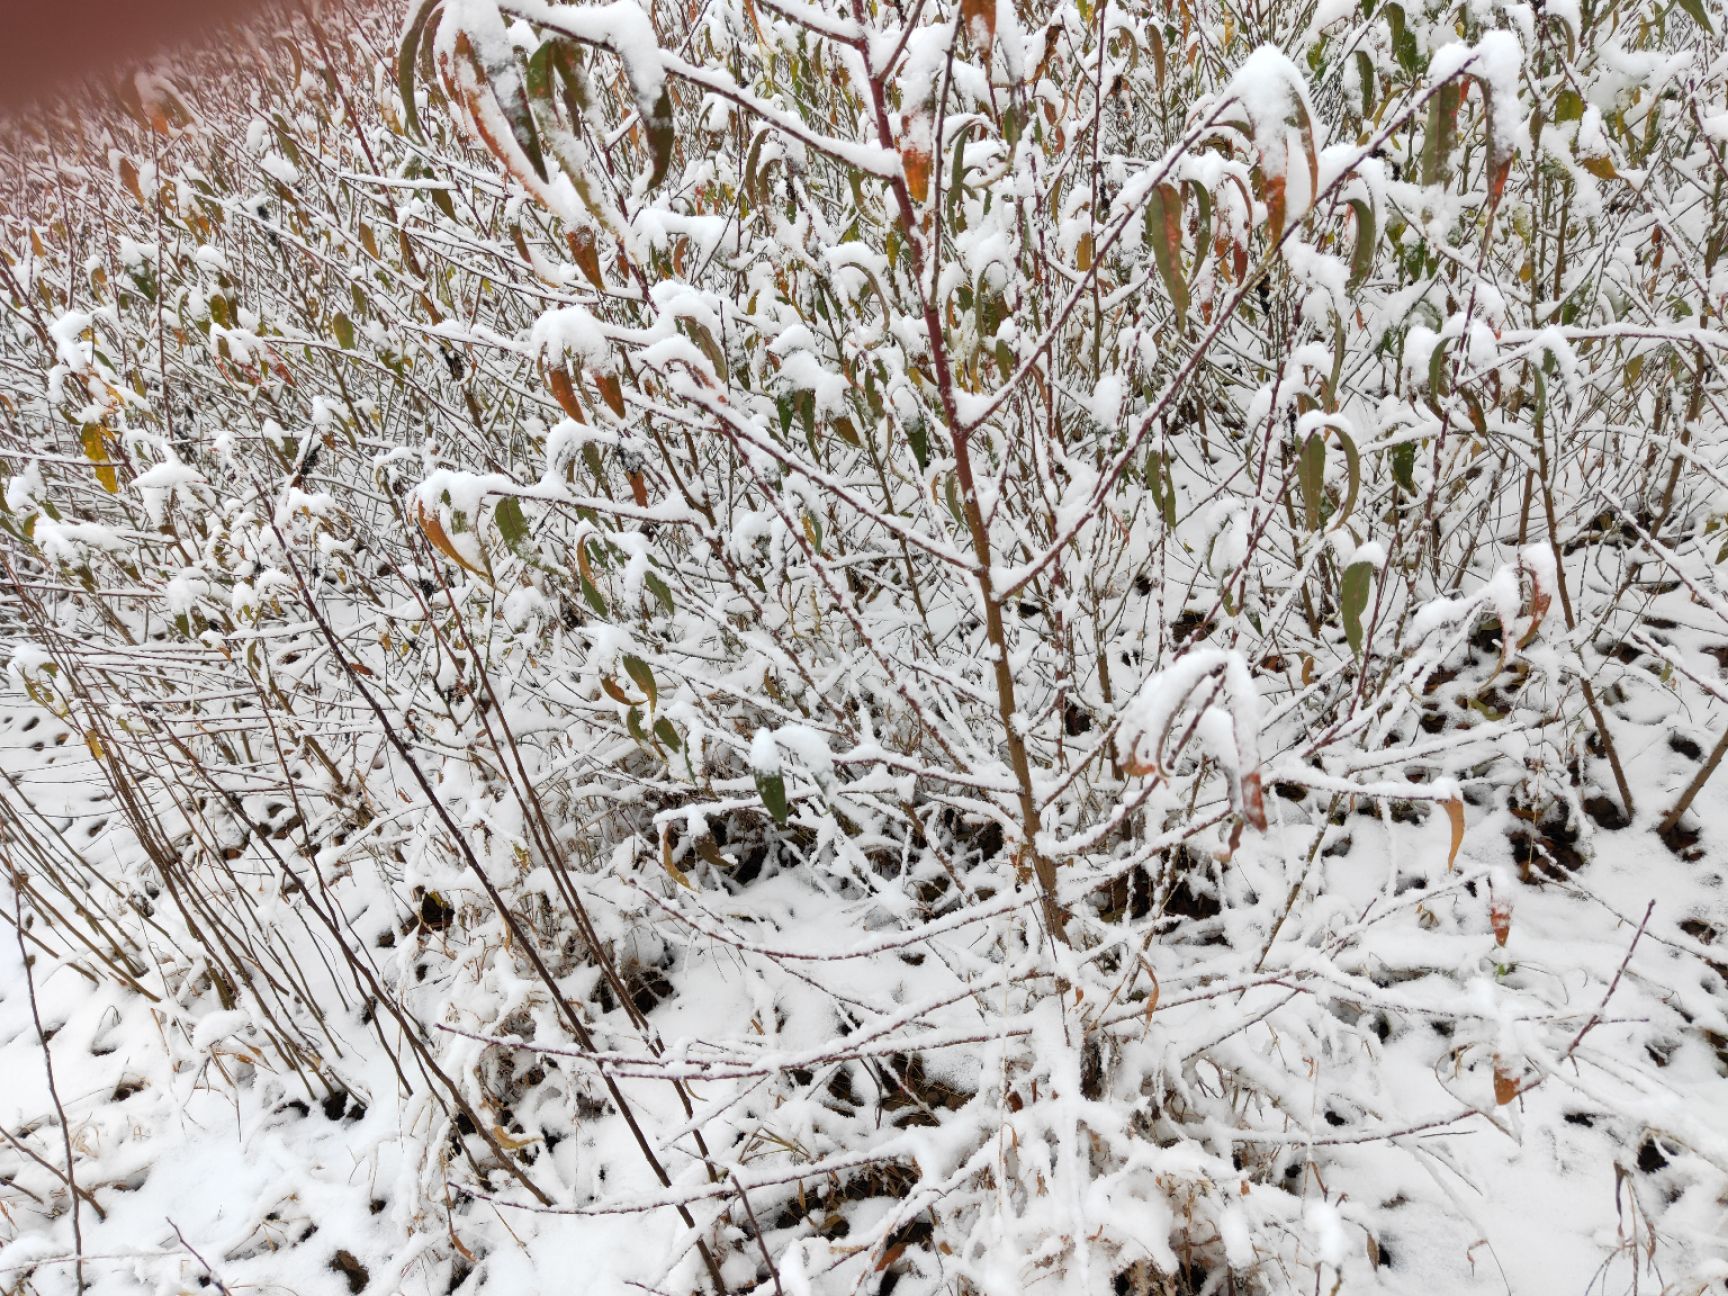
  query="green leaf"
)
[
  {"x": 1404, "y": 46},
  {"x": 1437, "y": 370},
  {"x": 1353, "y": 601},
  {"x": 772, "y": 788},
  {"x": 406, "y": 54},
  {"x": 512, "y": 525},
  {"x": 660, "y": 590},
  {"x": 592, "y": 596},
  {"x": 1311, "y": 477},
  {"x": 1695, "y": 11},
  {"x": 638, "y": 671},
  {"x": 1362, "y": 255},
  {"x": 1163, "y": 487},
  {"x": 658, "y": 125},
  {"x": 1437, "y": 140},
  {"x": 1353, "y": 476},
  {"x": 919, "y": 435},
  {"x": 1404, "y": 466},
  {"x": 1365, "y": 75},
  {"x": 664, "y": 731}
]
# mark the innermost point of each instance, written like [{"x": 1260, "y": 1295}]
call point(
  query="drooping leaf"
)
[
  {"x": 918, "y": 435},
  {"x": 95, "y": 442},
  {"x": 407, "y": 52},
  {"x": 978, "y": 17},
  {"x": 1455, "y": 814},
  {"x": 664, "y": 731},
  {"x": 1311, "y": 477},
  {"x": 1506, "y": 1086},
  {"x": 440, "y": 538},
  {"x": 915, "y": 162},
  {"x": 611, "y": 392},
  {"x": 640, "y": 674},
  {"x": 1437, "y": 139},
  {"x": 678, "y": 875},
  {"x": 564, "y": 392},
  {"x": 1362, "y": 254},
  {"x": 1353, "y": 589},
  {"x": 657, "y": 124},
  {"x": 1694, "y": 10},
  {"x": 772, "y": 788},
  {"x": 1164, "y": 228}
]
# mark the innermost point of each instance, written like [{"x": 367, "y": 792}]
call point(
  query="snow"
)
[{"x": 392, "y": 751}]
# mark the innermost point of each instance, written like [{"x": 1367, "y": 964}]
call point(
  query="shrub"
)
[{"x": 938, "y": 634}]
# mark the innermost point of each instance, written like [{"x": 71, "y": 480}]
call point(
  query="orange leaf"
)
[
  {"x": 611, "y": 391},
  {"x": 1275, "y": 207},
  {"x": 1539, "y": 601},
  {"x": 564, "y": 393},
  {"x": 978, "y": 17},
  {"x": 1254, "y": 802},
  {"x": 1500, "y": 918},
  {"x": 1455, "y": 812},
  {"x": 441, "y": 541},
  {"x": 915, "y": 161},
  {"x": 587, "y": 256},
  {"x": 129, "y": 178},
  {"x": 1506, "y": 1085}
]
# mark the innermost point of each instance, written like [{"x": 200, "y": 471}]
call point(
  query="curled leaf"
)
[
  {"x": 642, "y": 677},
  {"x": 406, "y": 53}
]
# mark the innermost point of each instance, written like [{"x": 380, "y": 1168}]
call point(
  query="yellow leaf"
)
[
  {"x": 96, "y": 451},
  {"x": 509, "y": 1142},
  {"x": 678, "y": 875}
]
